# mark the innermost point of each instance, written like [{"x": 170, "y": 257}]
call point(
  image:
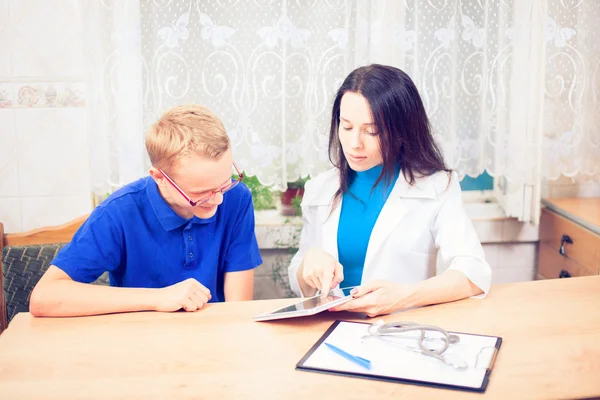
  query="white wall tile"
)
[
  {"x": 569, "y": 187},
  {"x": 513, "y": 275},
  {"x": 589, "y": 190},
  {"x": 563, "y": 180},
  {"x": 39, "y": 212},
  {"x": 545, "y": 188},
  {"x": 564, "y": 191},
  {"x": 10, "y": 215},
  {"x": 5, "y": 69},
  {"x": 489, "y": 231},
  {"x": 9, "y": 181},
  {"x": 46, "y": 38},
  {"x": 516, "y": 231},
  {"x": 53, "y": 152},
  {"x": 511, "y": 255},
  {"x": 492, "y": 254}
]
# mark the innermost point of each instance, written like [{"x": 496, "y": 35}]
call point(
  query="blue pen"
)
[{"x": 363, "y": 362}]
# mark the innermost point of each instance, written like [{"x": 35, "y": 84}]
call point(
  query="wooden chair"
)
[{"x": 25, "y": 258}]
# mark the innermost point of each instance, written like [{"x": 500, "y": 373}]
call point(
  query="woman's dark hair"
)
[{"x": 400, "y": 119}]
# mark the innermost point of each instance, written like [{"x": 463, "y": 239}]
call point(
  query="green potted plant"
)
[
  {"x": 292, "y": 197},
  {"x": 262, "y": 196}
]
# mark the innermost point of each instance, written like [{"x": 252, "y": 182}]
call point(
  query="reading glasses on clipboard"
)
[{"x": 432, "y": 340}]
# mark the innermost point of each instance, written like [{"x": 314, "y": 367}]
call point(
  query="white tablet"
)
[{"x": 309, "y": 306}]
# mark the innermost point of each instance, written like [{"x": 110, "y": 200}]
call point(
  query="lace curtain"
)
[{"x": 511, "y": 87}]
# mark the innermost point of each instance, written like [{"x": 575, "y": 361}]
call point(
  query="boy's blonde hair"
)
[{"x": 185, "y": 130}]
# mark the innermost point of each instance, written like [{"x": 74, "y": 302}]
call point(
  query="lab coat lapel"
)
[
  {"x": 330, "y": 230},
  {"x": 390, "y": 216},
  {"x": 393, "y": 212},
  {"x": 321, "y": 197}
]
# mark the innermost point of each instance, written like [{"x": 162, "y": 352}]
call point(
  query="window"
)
[{"x": 482, "y": 182}]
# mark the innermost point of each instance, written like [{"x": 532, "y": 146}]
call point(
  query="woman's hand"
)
[
  {"x": 319, "y": 271},
  {"x": 377, "y": 298},
  {"x": 383, "y": 297}
]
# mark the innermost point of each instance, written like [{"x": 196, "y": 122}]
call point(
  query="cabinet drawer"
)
[
  {"x": 539, "y": 277},
  {"x": 553, "y": 265},
  {"x": 584, "y": 250}
]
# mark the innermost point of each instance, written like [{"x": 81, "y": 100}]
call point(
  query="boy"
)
[{"x": 179, "y": 238}]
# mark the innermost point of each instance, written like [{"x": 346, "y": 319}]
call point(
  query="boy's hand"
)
[{"x": 190, "y": 295}]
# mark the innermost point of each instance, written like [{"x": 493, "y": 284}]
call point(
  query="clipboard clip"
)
[{"x": 486, "y": 357}]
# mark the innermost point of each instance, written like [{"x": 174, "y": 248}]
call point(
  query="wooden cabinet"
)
[{"x": 569, "y": 238}]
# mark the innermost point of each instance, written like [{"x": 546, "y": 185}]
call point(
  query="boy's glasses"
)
[{"x": 209, "y": 195}]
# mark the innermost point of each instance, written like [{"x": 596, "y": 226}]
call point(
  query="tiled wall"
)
[
  {"x": 510, "y": 248},
  {"x": 567, "y": 187},
  {"x": 44, "y": 172},
  {"x": 511, "y": 262}
]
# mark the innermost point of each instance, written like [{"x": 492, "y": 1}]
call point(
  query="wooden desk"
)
[{"x": 551, "y": 349}]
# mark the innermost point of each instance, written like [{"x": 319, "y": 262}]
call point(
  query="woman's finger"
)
[{"x": 357, "y": 304}]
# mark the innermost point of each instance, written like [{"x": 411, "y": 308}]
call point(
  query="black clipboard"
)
[{"x": 303, "y": 365}]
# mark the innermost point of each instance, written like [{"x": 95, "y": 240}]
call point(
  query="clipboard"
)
[{"x": 401, "y": 364}]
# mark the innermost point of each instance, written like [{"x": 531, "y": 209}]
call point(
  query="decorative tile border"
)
[
  {"x": 42, "y": 94},
  {"x": 6, "y": 94}
]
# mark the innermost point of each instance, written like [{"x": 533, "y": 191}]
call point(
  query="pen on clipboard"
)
[{"x": 363, "y": 362}]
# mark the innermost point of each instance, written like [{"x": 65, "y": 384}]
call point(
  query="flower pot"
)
[{"x": 287, "y": 199}]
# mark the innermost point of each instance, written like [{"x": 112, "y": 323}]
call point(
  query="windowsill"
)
[
  {"x": 273, "y": 218},
  {"x": 479, "y": 211},
  {"x": 479, "y": 205},
  {"x": 274, "y": 230}
]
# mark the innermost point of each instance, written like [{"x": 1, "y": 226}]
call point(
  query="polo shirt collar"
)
[{"x": 168, "y": 218}]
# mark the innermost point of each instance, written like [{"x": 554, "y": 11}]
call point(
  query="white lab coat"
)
[{"x": 421, "y": 229}]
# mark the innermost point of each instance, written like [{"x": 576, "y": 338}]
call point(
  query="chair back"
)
[{"x": 25, "y": 258}]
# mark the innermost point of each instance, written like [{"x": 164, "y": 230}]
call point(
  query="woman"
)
[{"x": 390, "y": 213}]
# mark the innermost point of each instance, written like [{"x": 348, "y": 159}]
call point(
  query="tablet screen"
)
[
  {"x": 312, "y": 304},
  {"x": 316, "y": 301}
]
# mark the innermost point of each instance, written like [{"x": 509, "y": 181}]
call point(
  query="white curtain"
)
[
  {"x": 116, "y": 83},
  {"x": 511, "y": 87}
]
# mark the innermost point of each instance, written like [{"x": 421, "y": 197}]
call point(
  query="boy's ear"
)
[{"x": 156, "y": 175}]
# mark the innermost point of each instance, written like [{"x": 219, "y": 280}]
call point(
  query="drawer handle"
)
[
  {"x": 563, "y": 240},
  {"x": 564, "y": 274}
]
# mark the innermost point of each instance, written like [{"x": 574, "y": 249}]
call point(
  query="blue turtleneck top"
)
[{"x": 360, "y": 209}]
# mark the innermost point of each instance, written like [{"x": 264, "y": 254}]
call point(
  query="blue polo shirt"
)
[{"x": 138, "y": 238}]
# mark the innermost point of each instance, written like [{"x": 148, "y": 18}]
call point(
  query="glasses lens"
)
[
  {"x": 230, "y": 186},
  {"x": 222, "y": 189},
  {"x": 203, "y": 200}
]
